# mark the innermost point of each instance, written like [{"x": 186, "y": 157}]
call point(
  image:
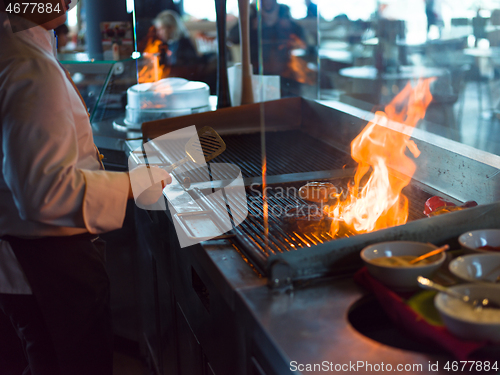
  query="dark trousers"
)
[
  {"x": 65, "y": 326},
  {"x": 26, "y": 344}
]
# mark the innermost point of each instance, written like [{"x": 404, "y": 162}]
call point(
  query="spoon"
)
[
  {"x": 429, "y": 254},
  {"x": 477, "y": 303}
]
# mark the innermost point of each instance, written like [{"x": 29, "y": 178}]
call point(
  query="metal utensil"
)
[
  {"x": 477, "y": 303},
  {"x": 203, "y": 147},
  {"x": 429, "y": 254}
]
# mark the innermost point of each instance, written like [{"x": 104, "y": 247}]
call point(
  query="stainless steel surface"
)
[{"x": 311, "y": 324}]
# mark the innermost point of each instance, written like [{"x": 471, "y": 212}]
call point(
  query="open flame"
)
[
  {"x": 381, "y": 148},
  {"x": 153, "y": 71},
  {"x": 297, "y": 68}
]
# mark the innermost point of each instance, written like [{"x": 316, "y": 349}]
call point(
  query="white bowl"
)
[
  {"x": 463, "y": 321},
  {"x": 484, "y": 267},
  {"x": 471, "y": 241},
  {"x": 400, "y": 277}
]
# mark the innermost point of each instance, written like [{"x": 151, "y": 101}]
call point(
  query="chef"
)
[{"x": 55, "y": 199}]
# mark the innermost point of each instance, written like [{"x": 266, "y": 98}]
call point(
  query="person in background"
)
[
  {"x": 434, "y": 18},
  {"x": 312, "y": 9},
  {"x": 280, "y": 36},
  {"x": 168, "y": 37},
  {"x": 62, "y": 35},
  {"x": 55, "y": 200}
]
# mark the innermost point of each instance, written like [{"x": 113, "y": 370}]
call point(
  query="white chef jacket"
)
[{"x": 51, "y": 180}]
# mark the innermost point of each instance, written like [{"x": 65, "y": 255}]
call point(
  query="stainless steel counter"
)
[{"x": 309, "y": 325}]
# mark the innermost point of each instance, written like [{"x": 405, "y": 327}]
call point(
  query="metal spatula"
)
[{"x": 201, "y": 148}]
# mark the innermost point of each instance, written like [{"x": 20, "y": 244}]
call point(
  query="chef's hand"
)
[{"x": 147, "y": 183}]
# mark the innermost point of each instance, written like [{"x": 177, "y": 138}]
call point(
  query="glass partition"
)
[
  {"x": 283, "y": 46},
  {"x": 361, "y": 53},
  {"x": 369, "y": 50},
  {"x": 91, "y": 78}
]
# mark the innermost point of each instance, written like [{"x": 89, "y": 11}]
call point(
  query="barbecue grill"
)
[
  {"x": 227, "y": 292},
  {"x": 309, "y": 141}
]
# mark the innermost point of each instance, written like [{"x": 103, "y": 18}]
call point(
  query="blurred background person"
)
[
  {"x": 312, "y": 9},
  {"x": 280, "y": 36},
  {"x": 434, "y": 18},
  {"x": 169, "y": 39}
]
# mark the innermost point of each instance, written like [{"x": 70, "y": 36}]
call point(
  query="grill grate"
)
[
  {"x": 282, "y": 237},
  {"x": 287, "y": 152}
]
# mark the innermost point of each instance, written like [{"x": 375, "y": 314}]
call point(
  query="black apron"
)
[{"x": 70, "y": 283}]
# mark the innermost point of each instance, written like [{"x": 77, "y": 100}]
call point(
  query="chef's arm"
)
[{"x": 40, "y": 154}]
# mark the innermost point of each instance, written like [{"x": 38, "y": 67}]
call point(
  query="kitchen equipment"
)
[
  {"x": 396, "y": 276},
  {"x": 430, "y": 253},
  {"x": 473, "y": 241},
  {"x": 310, "y": 141},
  {"x": 474, "y": 301},
  {"x": 168, "y": 97},
  {"x": 467, "y": 322},
  {"x": 205, "y": 146},
  {"x": 305, "y": 141},
  {"x": 480, "y": 267}
]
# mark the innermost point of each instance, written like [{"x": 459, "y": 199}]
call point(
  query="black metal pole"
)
[{"x": 223, "y": 99}]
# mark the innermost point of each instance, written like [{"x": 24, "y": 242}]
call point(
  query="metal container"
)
[{"x": 169, "y": 97}]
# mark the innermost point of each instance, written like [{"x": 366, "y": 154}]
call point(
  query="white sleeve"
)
[
  {"x": 40, "y": 148},
  {"x": 104, "y": 210}
]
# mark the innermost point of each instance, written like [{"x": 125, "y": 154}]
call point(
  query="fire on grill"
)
[{"x": 374, "y": 198}]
